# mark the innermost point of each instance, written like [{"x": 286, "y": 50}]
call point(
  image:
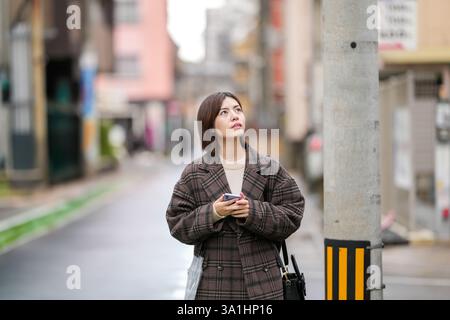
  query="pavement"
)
[{"x": 119, "y": 239}]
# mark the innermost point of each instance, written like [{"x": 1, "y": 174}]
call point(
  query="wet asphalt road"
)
[{"x": 123, "y": 249}]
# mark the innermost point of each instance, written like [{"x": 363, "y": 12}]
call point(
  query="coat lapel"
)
[
  {"x": 214, "y": 181},
  {"x": 254, "y": 183}
]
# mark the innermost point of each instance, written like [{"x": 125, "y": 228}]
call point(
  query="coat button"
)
[
  {"x": 220, "y": 268},
  {"x": 266, "y": 269}
]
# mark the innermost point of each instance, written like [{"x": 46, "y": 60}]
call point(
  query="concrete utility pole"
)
[
  {"x": 351, "y": 151},
  {"x": 40, "y": 109}
]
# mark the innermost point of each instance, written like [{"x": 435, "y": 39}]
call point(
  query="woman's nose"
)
[{"x": 234, "y": 116}]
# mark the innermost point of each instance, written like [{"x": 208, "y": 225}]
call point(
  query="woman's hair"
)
[{"x": 208, "y": 111}]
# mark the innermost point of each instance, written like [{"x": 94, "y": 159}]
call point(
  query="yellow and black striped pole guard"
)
[{"x": 346, "y": 264}]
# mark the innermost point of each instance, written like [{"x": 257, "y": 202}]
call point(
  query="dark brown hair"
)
[{"x": 208, "y": 111}]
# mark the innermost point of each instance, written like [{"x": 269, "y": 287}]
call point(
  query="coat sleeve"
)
[
  {"x": 278, "y": 219},
  {"x": 188, "y": 222}
]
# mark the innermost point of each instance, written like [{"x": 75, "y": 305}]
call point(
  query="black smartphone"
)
[{"x": 230, "y": 196}]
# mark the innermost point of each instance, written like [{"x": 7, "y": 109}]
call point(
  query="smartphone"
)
[{"x": 230, "y": 196}]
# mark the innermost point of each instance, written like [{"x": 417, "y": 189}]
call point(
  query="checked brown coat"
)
[{"x": 239, "y": 253}]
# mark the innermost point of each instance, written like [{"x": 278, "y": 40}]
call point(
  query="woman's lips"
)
[{"x": 237, "y": 126}]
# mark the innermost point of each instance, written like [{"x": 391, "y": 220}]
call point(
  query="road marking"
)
[
  {"x": 417, "y": 281},
  {"x": 397, "y": 280}
]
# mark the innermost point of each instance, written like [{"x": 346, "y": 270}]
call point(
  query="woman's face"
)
[{"x": 230, "y": 122}]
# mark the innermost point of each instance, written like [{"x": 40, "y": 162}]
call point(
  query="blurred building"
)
[
  {"x": 230, "y": 48},
  {"x": 4, "y": 84},
  {"x": 44, "y": 85},
  {"x": 245, "y": 75},
  {"x": 303, "y": 83},
  {"x": 139, "y": 91},
  {"x": 414, "y": 64},
  {"x": 74, "y": 58},
  {"x": 414, "y": 61}
]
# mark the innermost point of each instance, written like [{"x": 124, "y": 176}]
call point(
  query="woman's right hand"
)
[{"x": 224, "y": 208}]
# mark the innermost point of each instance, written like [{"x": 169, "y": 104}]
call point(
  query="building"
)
[
  {"x": 414, "y": 63},
  {"x": 303, "y": 81},
  {"x": 414, "y": 46},
  {"x": 46, "y": 84},
  {"x": 141, "y": 86}
]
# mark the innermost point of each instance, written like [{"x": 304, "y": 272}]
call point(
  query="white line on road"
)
[
  {"x": 417, "y": 281},
  {"x": 397, "y": 280}
]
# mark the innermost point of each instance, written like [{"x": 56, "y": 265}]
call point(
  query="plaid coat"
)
[{"x": 239, "y": 253}]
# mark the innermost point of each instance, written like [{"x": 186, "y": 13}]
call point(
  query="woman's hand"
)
[
  {"x": 224, "y": 208},
  {"x": 236, "y": 208},
  {"x": 242, "y": 207}
]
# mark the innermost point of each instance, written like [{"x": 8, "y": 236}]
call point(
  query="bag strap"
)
[
  {"x": 283, "y": 265},
  {"x": 285, "y": 253}
]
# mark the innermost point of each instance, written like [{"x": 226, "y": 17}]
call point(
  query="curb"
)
[
  {"x": 37, "y": 222},
  {"x": 419, "y": 237}
]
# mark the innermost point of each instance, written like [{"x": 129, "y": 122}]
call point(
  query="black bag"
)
[{"x": 294, "y": 286}]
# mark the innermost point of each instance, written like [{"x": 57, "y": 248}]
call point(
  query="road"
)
[{"x": 124, "y": 250}]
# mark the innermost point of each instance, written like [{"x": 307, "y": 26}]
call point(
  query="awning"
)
[{"x": 422, "y": 56}]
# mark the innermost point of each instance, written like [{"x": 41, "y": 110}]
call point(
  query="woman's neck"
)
[{"x": 232, "y": 150}]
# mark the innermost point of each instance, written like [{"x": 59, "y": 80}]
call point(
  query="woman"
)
[{"x": 239, "y": 240}]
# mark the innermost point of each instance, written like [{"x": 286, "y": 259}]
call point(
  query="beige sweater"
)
[{"x": 234, "y": 171}]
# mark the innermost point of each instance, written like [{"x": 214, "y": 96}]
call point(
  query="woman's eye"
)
[
  {"x": 239, "y": 109},
  {"x": 223, "y": 112}
]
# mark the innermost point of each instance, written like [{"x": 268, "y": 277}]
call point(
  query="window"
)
[
  {"x": 426, "y": 89},
  {"x": 126, "y": 11},
  {"x": 127, "y": 66}
]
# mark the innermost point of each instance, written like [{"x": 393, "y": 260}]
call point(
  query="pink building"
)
[{"x": 144, "y": 58}]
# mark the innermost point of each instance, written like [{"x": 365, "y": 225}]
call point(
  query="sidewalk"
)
[{"x": 25, "y": 217}]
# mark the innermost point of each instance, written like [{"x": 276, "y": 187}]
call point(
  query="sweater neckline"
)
[{"x": 233, "y": 165}]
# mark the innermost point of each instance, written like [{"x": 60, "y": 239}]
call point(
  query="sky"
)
[{"x": 187, "y": 21}]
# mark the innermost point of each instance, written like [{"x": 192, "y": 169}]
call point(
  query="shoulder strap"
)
[{"x": 285, "y": 253}]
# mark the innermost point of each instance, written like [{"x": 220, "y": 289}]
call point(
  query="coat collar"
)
[{"x": 215, "y": 183}]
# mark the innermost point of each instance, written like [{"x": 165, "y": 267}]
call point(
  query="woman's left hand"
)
[{"x": 242, "y": 207}]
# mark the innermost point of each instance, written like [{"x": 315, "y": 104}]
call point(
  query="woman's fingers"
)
[
  {"x": 229, "y": 202},
  {"x": 240, "y": 215},
  {"x": 239, "y": 209},
  {"x": 241, "y": 206}
]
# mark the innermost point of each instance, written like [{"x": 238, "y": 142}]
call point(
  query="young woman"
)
[{"x": 239, "y": 240}]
